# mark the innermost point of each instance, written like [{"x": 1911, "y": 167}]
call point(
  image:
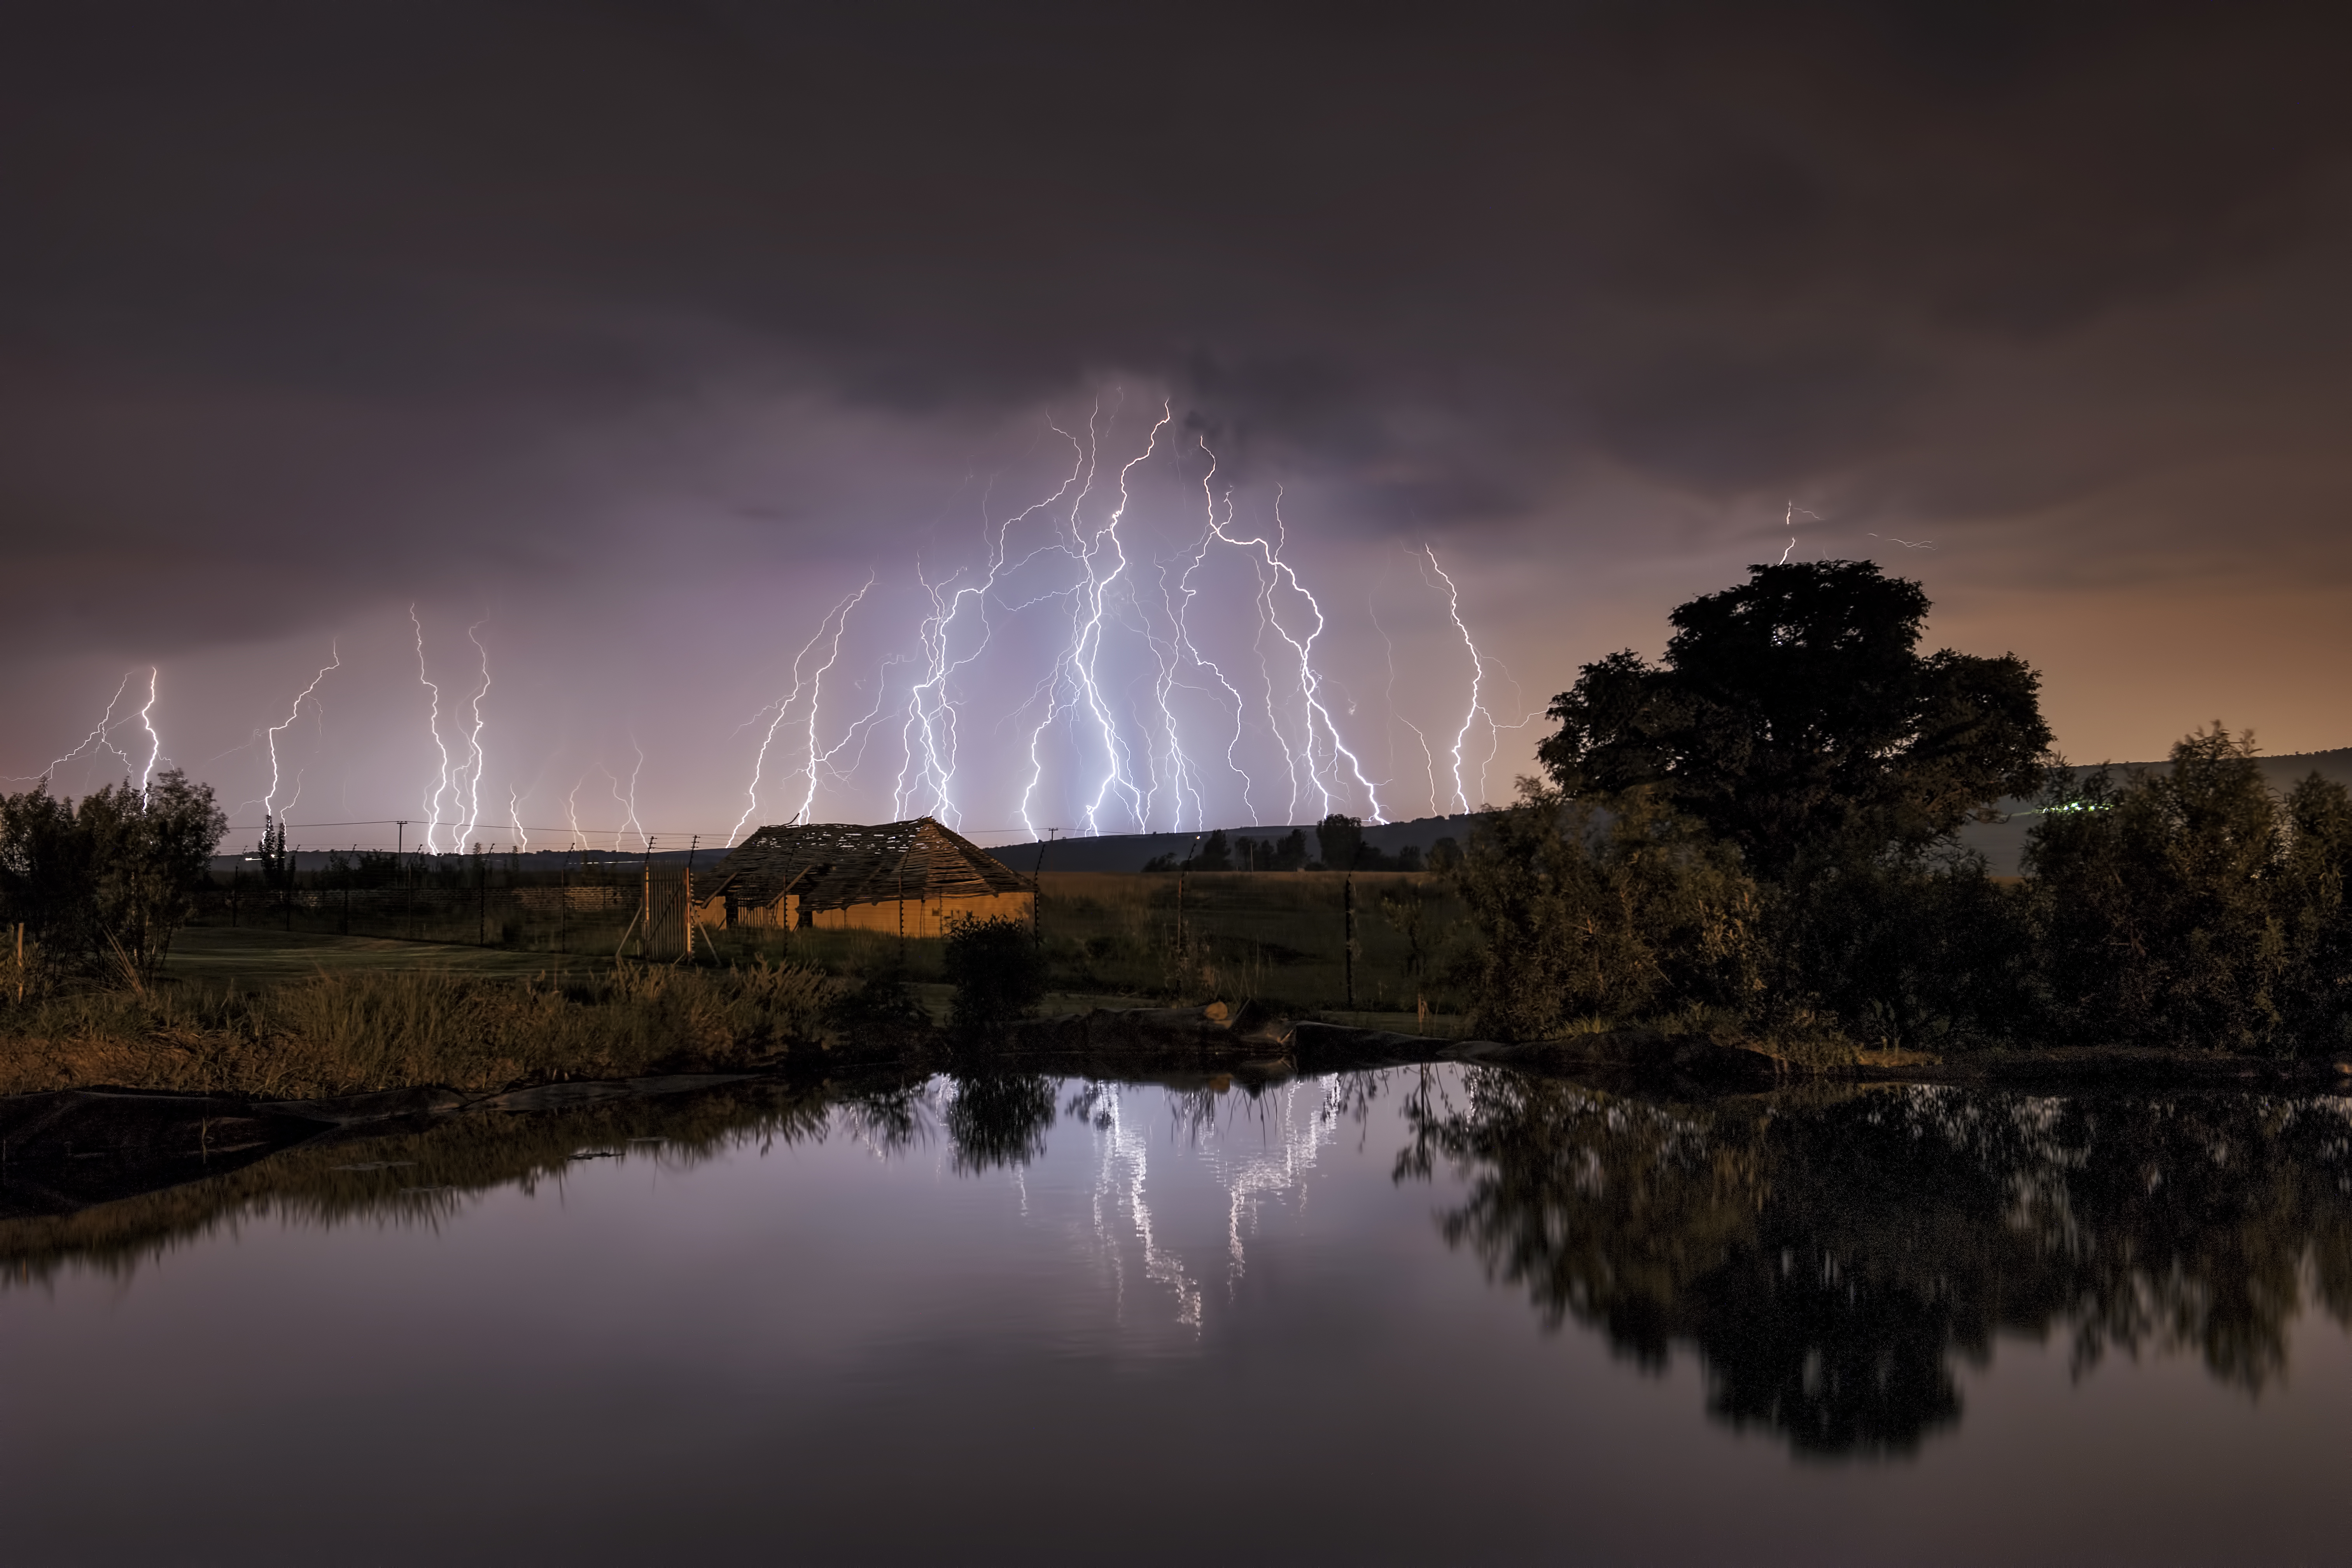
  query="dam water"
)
[{"x": 1413, "y": 1316}]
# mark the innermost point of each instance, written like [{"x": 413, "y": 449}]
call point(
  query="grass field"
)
[
  {"x": 1281, "y": 938},
  {"x": 259, "y": 1007}
]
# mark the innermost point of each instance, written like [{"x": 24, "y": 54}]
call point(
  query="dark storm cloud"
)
[{"x": 270, "y": 266}]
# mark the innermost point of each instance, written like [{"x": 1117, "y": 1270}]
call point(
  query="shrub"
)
[
  {"x": 2157, "y": 899},
  {"x": 112, "y": 879},
  {"x": 1921, "y": 951},
  {"x": 1587, "y": 919},
  {"x": 997, "y": 971}
]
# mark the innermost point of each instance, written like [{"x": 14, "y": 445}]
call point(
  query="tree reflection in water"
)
[{"x": 1829, "y": 1255}]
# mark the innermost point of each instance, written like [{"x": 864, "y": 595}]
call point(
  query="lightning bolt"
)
[
  {"x": 154, "y": 742},
  {"x": 1187, "y": 593},
  {"x": 1789, "y": 519},
  {"x": 514, "y": 815},
  {"x": 630, "y": 803},
  {"x": 1051, "y": 688},
  {"x": 269, "y": 801},
  {"x": 1477, "y": 683},
  {"x": 1478, "y": 709},
  {"x": 471, "y": 770},
  {"x": 1086, "y": 663},
  {"x": 100, "y": 737},
  {"x": 838, "y": 619},
  {"x": 433, "y": 722}
]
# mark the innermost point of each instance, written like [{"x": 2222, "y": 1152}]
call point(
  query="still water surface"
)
[{"x": 1418, "y": 1316}]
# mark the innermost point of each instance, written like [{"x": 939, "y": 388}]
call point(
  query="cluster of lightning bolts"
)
[
  {"x": 1140, "y": 770},
  {"x": 453, "y": 798},
  {"x": 1141, "y": 773},
  {"x": 1149, "y": 1198}
]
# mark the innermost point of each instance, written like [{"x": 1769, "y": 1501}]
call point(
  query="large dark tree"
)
[{"x": 1795, "y": 715}]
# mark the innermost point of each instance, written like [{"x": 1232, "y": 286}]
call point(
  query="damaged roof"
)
[{"x": 832, "y": 865}]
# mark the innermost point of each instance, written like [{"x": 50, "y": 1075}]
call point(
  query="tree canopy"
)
[
  {"x": 1795, "y": 712},
  {"x": 110, "y": 877}
]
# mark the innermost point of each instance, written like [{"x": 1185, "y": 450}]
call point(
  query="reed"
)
[{"x": 353, "y": 1031}]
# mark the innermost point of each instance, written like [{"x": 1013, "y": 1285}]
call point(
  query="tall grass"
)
[{"x": 354, "y": 1031}]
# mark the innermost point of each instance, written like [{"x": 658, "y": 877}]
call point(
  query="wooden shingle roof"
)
[{"x": 832, "y": 865}]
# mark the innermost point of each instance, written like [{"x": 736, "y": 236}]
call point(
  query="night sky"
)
[{"x": 635, "y": 339}]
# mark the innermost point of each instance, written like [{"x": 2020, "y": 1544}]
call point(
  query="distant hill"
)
[
  {"x": 1129, "y": 851},
  {"x": 2003, "y": 843}
]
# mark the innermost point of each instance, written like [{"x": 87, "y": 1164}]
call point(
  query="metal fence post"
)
[{"x": 1348, "y": 905}]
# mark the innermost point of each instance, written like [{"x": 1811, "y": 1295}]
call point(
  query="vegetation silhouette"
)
[
  {"x": 103, "y": 884},
  {"x": 1758, "y": 838},
  {"x": 998, "y": 1120},
  {"x": 998, "y": 971},
  {"x": 1831, "y": 1254}
]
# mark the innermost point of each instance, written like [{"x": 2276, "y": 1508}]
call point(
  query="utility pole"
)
[
  {"x": 400, "y": 859},
  {"x": 1038, "y": 890}
]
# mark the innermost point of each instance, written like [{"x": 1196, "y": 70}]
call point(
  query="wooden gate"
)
[{"x": 668, "y": 916}]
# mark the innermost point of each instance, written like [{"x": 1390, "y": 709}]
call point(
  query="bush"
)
[
  {"x": 110, "y": 880},
  {"x": 1926, "y": 951},
  {"x": 2157, "y": 896},
  {"x": 997, "y": 971},
  {"x": 1584, "y": 919},
  {"x": 2315, "y": 994}
]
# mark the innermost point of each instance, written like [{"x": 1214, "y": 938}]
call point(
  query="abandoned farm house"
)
[{"x": 907, "y": 878}]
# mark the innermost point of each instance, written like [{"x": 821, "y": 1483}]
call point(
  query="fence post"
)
[
  {"x": 1348, "y": 905},
  {"x": 1037, "y": 893}
]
